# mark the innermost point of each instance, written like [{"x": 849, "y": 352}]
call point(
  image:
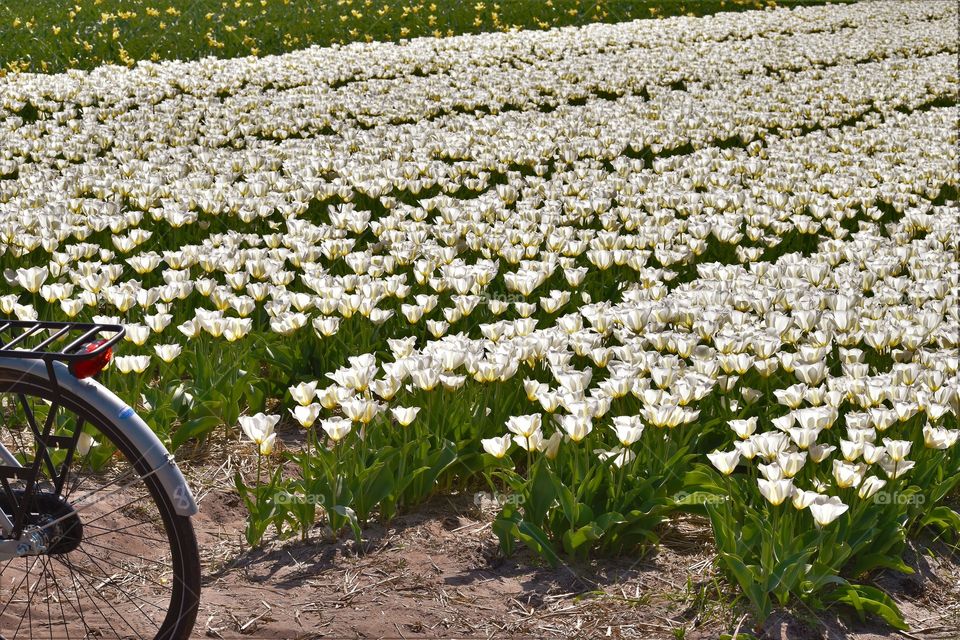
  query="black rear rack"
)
[{"x": 52, "y": 341}]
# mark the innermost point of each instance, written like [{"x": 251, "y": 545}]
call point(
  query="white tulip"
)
[
  {"x": 628, "y": 429},
  {"x": 524, "y": 426},
  {"x": 337, "y": 428},
  {"x": 826, "y": 511},
  {"x": 497, "y": 447},
  {"x": 85, "y": 442},
  {"x": 776, "y": 491},
  {"x": 405, "y": 415},
  {"x": 259, "y": 426},
  {"x": 304, "y": 392},
  {"x": 168, "y": 352},
  {"x": 725, "y": 462},
  {"x": 306, "y": 415}
]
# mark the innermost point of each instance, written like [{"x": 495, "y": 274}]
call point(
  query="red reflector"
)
[{"x": 93, "y": 365}]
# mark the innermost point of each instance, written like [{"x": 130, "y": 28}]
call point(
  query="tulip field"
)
[{"x": 610, "y": 276}]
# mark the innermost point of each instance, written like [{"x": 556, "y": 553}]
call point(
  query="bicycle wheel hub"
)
[{"x": 51, "y": 518}]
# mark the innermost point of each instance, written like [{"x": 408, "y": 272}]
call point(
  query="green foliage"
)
[
  {"x": 777, "y": 553},
  {"x": 262, "y": 506},
  {"x": 576, "y": 504},
  {"x": 346, "y": 482},
  {"x": 866, "y": 600},
  {"x": 943, "y": 519},
  {"x": 49, "y": 35}
]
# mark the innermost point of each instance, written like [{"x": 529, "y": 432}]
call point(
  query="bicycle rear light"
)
[{"x": 89, "y": 367}]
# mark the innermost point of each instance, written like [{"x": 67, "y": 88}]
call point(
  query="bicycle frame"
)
[{"x": 9, "y": 460}]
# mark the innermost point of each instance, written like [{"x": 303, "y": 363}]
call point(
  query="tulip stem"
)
[
  {"x": 529, "y": 458},
  {"x": 259, "y": 461},
  {"x": 621, "y": 472},
  {"x": 403, "y": 460},
  {"x": 586, "y": 461}
]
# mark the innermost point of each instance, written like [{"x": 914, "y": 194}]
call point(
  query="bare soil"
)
[{"x": 438, "y": 573}]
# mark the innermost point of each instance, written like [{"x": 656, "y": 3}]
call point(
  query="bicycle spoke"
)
[
  {"x": 131, "y": 555},
  {"x": 29, "y": 610},
  {"x": 124, "y": 592},
  {"x": 74, "y": 583},
  {"x": 124, "y": 476},
  {"x": 64, "y": 596},
  {"x": 46, "y": 583},
  {"x": 107, "y": 531},
  {"x": 75, "y": 572},
  {"x": 79, "y": 477},
  {"x": 26, "y": 574},
  {"x": 111, "y": 512}
]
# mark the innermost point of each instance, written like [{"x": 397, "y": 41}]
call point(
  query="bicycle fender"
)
[{"x": 160, "y": 462}]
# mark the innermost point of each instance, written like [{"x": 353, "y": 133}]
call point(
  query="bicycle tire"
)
[{"x": 184, "y": 553}]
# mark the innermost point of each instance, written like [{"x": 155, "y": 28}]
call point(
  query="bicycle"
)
[{"x": 96, "y": 538}]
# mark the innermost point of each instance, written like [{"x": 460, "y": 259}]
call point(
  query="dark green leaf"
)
[
  {"x": 195, "y": 428},
  {"x": 869, "y": 600}
]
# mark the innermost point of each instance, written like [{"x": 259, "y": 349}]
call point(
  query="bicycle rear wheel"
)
[{"x": 119, "y": 561}]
